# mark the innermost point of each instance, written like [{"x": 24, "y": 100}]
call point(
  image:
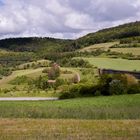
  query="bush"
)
[
  {"x": 5, "y": 71},
  {"x": 109, "y": 84},
  {"x": 66, "y": 95},
  {"x": 20, "y": 80},
  {"x": 80, "y": 90},
  {"x": 134, "y": 89},
  {"x": 98, "y": 93},
  {"x": 116, "y": 87},
  {"x": 60, "y": 81},
  {"x": 41, "y": 82}
]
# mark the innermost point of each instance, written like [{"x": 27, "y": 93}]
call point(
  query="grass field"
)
[
  {"x": 117, "y": 64},
  {"x": 4, "y": 83},
  {"x": 113, "y": 107},
  {"x": 2, "y": 51},
  {"x": 43, "y": 61},
  {"x": 103, "y": 46},
  {"x": 134, "y": 51},
  {"x": 107, "y": 46},
  {"x": 30, "y": 129}
]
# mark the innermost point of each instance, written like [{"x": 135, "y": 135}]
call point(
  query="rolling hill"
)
[
  {"x": 35, "y": 44},
  {"x": 111, "y": 34}
]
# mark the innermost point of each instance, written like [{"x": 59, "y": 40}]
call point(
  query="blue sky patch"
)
[{"x": 1, "y": 3}]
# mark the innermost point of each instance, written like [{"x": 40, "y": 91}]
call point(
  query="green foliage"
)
[
  {"x": 133, "y": 45},
  {"x": 5, "y": 71},
  {"x": 14, "y": 59},
  {"x": 44, "y": 46},
  {"x": 130, "y": 40},
  {"x": 69, "y": 62},
  {"x": 109, "y": 84},
  {"x": 113, "y": 107},
  {"x": 32, "y": 44},
  {"x": 113, "y": 84},
  {"x": 110, "y": 34},
  {"x": 79, "y": 90},
  {"x": 60, "y": 82},
  {"x": 134, "y": 89},
  {"x": 116, "y": 87},
  {"x": 41, "y": 82},
  {"x": 20, "y": 80}
]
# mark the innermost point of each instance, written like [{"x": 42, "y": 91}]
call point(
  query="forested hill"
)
[
  {"x": 110, "y": 34},
  {"x": 34, "y": 44}
]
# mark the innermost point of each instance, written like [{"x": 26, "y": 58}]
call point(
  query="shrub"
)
[
  {"x": 5, "y": 71},
  {"x": 104, "y": 82},
  {"x": 108, "y": 83},
  {"x": 60, "y": 81},
  {"x": 66, "y": 95},
  {"x": 79, "y": 90},
  {"x": 41, "y": 82},
  {"x": 98, "y": 93},
  {"x": 134, "y": 89},
  {"x": 20, "y": 80},
  {"x": 116, "y": 87}
]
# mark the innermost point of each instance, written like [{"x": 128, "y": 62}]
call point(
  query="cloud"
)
[{"x": 63, "y": 18}]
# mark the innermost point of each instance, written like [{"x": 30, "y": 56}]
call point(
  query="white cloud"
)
[{"x": 63, "y": 18}]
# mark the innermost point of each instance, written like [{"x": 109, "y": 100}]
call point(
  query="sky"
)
[{"x": 63, "y": 18}]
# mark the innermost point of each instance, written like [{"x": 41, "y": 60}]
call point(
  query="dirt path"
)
[{"x": 28, "y": 99}]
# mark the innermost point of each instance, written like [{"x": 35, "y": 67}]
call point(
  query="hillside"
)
[
  {"x": 35, "y": 44},
  {"x": 111, "y": 34}
]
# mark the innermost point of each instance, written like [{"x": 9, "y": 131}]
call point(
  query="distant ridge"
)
[{"x": 33, "y": 44}]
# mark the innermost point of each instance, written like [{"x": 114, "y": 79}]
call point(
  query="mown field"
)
[
  {"x": 134, "y": 51},
  {"x": 113, "y": 107},
  {"x": 107, "y": 46},
  {"x": 103, "y": 46},
  {"x": 40, "y": 129},
  {"x": 117, "y": 64}
]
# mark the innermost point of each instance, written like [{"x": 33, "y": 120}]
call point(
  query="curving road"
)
[{"x": 28, "y": 99}]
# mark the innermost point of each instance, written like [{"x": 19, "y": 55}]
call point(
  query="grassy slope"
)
[
  {"x": 109, "y": 34},
  {"x": 41, "y": 45},
  {"x": 104, "y": 46},
  {"x": 118, "y": 64},
  {"x": 23, "y": 91},
  {"x": 32, "y": 73},
  {"x": 35, "y": 63},
  {"x": 4, "y": 82},
  {"x": 113, "y": 107},
  {"x": 26, "y": 129},
  {"x": 134, "y": 51}
]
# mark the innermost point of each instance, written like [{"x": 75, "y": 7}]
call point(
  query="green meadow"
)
[
  {"x": 112, "y": 63},
  {"x": 112, "y": 107}
]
